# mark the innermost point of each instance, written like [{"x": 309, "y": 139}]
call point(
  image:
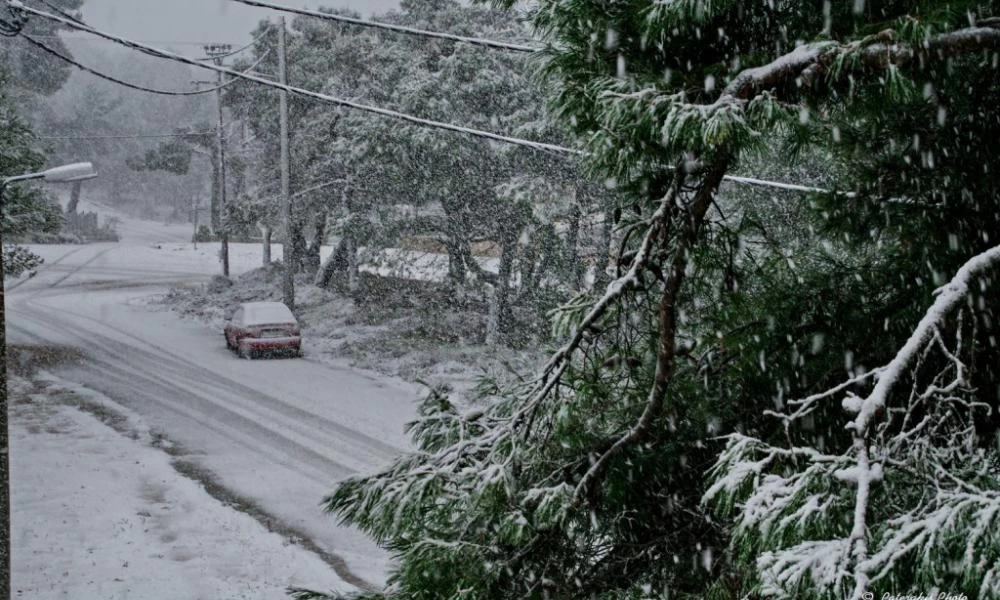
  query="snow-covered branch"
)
[
  {"x": 809, "y": 61},
  {"x": 903, "y": 443},
  {"x": 759, "y": 96},
  {"x": 667, "y": 334},
  {"x": 948, "y": 298}
]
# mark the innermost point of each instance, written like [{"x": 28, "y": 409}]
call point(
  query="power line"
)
[
  {"x": 792, "y": 187},
  {"x": 75, "y": 39},
  {"x": 397, "y": 28},
  {"x": 541, "y": 146},
  {"x": 134, "y": 136},
  {"x": 61, "y": 11},
  {"x": 96, "y": 73},
  {"x": 133, "y": 86}
]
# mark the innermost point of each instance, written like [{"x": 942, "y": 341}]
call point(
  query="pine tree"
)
[
  {"x": 25, "y": 208},
  {"x": 588, "y": 479}
]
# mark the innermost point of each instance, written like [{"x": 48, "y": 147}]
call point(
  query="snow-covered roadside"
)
[{"x": 99, "y": 514}]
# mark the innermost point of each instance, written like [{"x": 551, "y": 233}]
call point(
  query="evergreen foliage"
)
[
  {"x": 588, "y": 480},
  {"x": 35, "y": 72},
  {"x": 25, "y": 208}
]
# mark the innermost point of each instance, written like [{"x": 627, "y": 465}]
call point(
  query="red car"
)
[{"x": 259, "y": 327}]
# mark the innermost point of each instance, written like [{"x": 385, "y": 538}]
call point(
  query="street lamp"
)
[{"x": 64, "y": 174}]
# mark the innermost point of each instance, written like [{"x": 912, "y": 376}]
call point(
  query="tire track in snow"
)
[
  {"x": 81, "y": 267},
  {"x": 215, "y": 403},
  {"x": 257, "y": 420},
  {"x": 211, "y": 482},
  {"x": 145, "y": 385},
  {"x": 184, "y": 368},
  {"x": 44, "y": 267}
]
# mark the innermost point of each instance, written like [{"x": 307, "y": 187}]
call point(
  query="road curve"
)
[{"x": 280, "y": 432}]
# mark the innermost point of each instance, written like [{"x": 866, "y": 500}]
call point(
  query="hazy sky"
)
[{"x": 200, "y": 21}]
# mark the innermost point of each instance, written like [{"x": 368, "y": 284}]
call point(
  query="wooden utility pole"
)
[
  {"x": 217, "y": 52},
  {"x": 5, "y": 541},
  {"x": 288, "y": 277}
]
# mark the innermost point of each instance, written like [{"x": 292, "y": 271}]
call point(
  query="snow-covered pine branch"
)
[
  {"x": 501, "y": 456},
  {"x": 756, "y": 98},
  {"x": 921, "y": 504}
]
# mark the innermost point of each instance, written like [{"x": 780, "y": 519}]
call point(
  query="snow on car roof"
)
[{"x": 260, "y": 313}]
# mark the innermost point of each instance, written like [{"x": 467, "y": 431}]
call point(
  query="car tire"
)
[
  {"x": 229, "y": 345},
  {"x": 244, "y": 352}
]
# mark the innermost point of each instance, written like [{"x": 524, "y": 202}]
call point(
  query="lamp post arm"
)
[{"x": 9, "y": 180}]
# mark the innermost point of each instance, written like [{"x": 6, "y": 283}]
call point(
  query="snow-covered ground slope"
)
[
  {"x": 99, "y": 514},
  {"x": 280, "y": 433}
]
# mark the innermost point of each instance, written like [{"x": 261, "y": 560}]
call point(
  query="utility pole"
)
[
  {"x": 288, "y": 278},
  {"x": 217, "y": 52}
]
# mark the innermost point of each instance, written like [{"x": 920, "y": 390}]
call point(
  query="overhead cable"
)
[
  {"x": 75, "y": 39},
  {"x": 62, "y": 12},
  {"x": 133, "y": 86},
  {"x": 126, "y": 136},
  {"x": 541, "y": 146},
  {"x": 390, "y": 27},
  {"x": 76, "y": 19},
  {"x": 793, "y": 187}
]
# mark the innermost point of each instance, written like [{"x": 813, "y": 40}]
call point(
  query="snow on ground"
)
[
  {"x": 130, "y": 526},
  {"x": 398, "y": 327},
  {"x": 278, "y": 433}
]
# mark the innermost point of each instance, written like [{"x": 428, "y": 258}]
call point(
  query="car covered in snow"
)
[{"x": 263, "y": 327}]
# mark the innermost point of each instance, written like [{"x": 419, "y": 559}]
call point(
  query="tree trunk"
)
[
  {"x": 501, "y": 311},
  {"x": 336, "y": 263},
  {"x": 311, "y": 260},
  {"x": 601, "y": 277},
  {"x": 529, "y": 257},
  {"x": 353, "y": 273},
  {"x": 457, "y": 271},
  {"x": 267, "y": 246},
  {"x": 5, "y": 537},
  {"x": 548, "y": 248},
  {"x": 72, "y": 217},
  {"x": 295, "y": 245},
  {"x": 571, "y": 259},
  {"x": 493, "y": 317},
  {"x": 74, "y": 198}
]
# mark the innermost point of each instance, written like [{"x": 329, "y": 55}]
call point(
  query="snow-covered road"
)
[{"x": 279, "y": 433}]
